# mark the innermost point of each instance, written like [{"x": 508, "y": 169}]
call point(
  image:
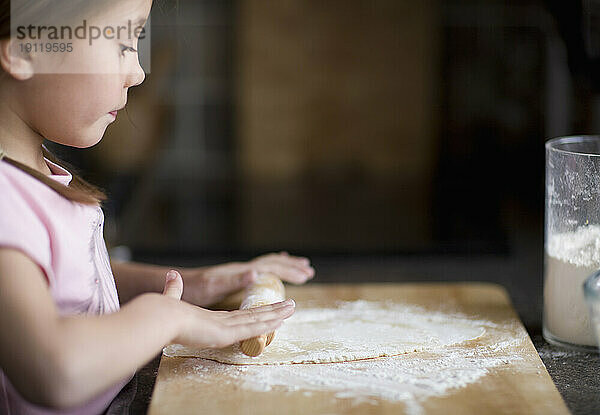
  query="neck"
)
[{"x": 18, "y": 140}]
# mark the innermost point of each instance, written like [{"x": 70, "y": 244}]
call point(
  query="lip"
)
[{"x": 113, "y": 113}]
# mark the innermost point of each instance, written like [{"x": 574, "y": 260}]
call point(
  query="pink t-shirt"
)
[{"x": 65, "y": 239}]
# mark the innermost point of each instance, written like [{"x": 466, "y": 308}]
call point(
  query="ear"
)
[{"x": 17, "y": 64}]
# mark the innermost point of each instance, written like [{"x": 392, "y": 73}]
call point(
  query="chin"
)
[
  {"x": 84, "y": 137},
  {"x": 93, "y": 142},
  {"x": 83, "y": 140},
  {"x": 94, "y": 137}
]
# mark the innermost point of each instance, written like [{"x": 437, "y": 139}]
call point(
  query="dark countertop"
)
[{"x": 576, "y": 375}]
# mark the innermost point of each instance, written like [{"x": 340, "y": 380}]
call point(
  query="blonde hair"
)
[{"x": 78, "y": 189}]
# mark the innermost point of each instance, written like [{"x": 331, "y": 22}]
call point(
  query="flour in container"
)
[{"x": 570, "y": 258}]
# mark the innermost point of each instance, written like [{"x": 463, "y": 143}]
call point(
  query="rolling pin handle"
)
[
  {"x": 267, "y": 289},
  {"x": 254, "y": 346}
]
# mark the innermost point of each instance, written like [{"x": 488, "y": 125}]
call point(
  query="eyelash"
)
[{"x": 127, "y": 48}]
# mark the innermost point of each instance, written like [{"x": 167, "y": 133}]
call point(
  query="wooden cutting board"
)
[{"x": 519, "y": 386}]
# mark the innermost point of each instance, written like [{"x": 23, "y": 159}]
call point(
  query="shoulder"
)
[
  {"x": 14, "y": 179},
  {"x": 20, "y": 190},
  {"x": 23, "y": 215},
  {"x": 18, "y": 186},
  {"x": 23, "y": 207}
]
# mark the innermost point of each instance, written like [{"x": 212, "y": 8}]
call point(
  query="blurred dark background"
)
[{"x": 387, "y": 140}]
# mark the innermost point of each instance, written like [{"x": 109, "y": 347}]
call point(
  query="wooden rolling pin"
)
[{"x": 267, "y": 289}]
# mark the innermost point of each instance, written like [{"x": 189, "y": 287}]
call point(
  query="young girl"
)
[{"x": 66, "y": 344}]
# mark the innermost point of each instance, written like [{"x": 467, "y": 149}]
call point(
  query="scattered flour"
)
[{"x": 410, "y": 378}]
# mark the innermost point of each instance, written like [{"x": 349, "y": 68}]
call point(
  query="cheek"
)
[{"x": 71, "y": 109}]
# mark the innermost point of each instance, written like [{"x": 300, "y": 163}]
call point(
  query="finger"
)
[
  {"x": 173, "y": 285},
  {"x": 262, "y": 312},
  {"x": 306, "y": 270},
  {"x": 302, "y": 260},
  {"x": 246, "y": 331},
  {"x": 298, "y": 262},
  {"x": 221, "y": 313},
  {"x": 286, "y": 272},
  {"x": 253, "y": 316},
  {"x": 285, "y": 256}
]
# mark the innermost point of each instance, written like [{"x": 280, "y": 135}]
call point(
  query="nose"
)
[{"x": 136, "y": 76}]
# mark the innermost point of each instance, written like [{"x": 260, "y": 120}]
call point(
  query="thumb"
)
[{"x": 173, "y": 285}]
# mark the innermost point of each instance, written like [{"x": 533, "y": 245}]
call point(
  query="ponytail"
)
[{"x": 78, "y": 189}]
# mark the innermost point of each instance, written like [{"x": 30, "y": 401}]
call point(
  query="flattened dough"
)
[{"x": 351, "y": 331}]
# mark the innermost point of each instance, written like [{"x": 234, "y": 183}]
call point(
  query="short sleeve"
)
[{"x": 21, "y": 225}]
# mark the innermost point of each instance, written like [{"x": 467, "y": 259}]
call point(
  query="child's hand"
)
[
  {"x": 206, "y": 286},
  {"x": 205, "y": 328}
]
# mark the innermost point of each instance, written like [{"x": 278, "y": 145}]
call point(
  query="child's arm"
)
[
  {"x": 65, "y": 361},
  {"x": 207, "y": 285},
  {"x": 134, "y": 278}
]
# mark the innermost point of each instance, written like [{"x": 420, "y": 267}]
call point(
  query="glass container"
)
[{"x": 572, "y": 238}]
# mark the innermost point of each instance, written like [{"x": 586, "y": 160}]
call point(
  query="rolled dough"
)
[{"x": 350, "y": 331}]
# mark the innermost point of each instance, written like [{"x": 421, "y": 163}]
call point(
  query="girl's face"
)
[{"x": 69, "y": 98}]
